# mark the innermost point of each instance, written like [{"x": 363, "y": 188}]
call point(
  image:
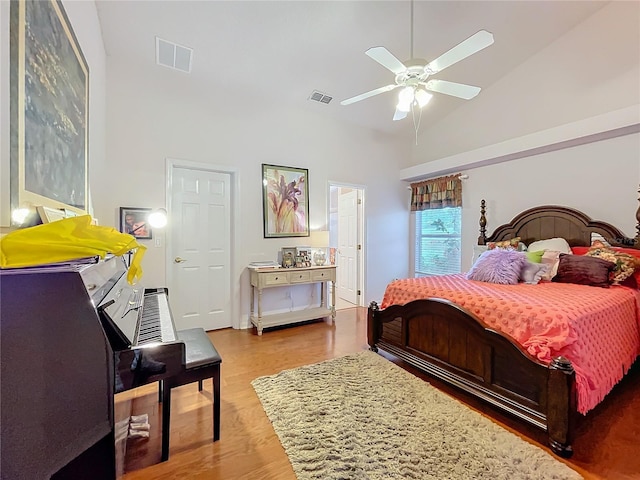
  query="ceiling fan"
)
[{"x": 413, "y": 75}]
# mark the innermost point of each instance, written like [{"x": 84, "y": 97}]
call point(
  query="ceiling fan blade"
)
[
  {"x": 385, "y": 58},
  {"x": 371, "y": 93},
  {"x": 451, "y": 88},
  {"x": 468, "y": 47},
  {"x": 399, "y": 115}
]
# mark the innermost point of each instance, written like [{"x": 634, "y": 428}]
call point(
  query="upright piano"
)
[{"x": 71, "y": 336}]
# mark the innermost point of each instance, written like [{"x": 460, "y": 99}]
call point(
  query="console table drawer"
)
[
  {"x": 280, "y": 278},
  {"x": 322, "y": 275},
  {"x": 300, "y": 277}
]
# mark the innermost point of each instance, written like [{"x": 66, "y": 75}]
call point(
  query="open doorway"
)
[{"x": 346, "y": 236}]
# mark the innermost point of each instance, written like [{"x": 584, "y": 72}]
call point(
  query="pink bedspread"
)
[{"x": 596, "y": 328}]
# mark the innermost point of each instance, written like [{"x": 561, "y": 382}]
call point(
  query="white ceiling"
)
[{"x": 287, "y": 49}]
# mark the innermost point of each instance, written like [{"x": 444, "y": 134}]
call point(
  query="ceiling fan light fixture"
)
[
  {"x": 406, "y": 95},
  {"x": 405, "y": 99},
  {"x": 403, "y": 107},
  {"x": 422, "y": 97}
]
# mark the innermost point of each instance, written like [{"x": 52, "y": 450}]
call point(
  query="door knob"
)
[{"x": 178, "y": 260}]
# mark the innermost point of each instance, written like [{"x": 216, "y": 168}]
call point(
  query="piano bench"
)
[{"x": 202, "y": 362}]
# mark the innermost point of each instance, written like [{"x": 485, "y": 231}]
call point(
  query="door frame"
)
[
  {"x": 171, "y": 164},
  {"x": 362, "y": 234}
]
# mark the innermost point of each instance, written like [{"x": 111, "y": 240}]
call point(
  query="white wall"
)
[
  {"x": 157, "y": 113},
  {"x": 600, "y": 179},
  {"x": 84, "y": 20},
  {"x": 591, "y": 70}
]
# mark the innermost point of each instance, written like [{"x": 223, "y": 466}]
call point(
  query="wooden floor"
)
[{"x": 607, "y": 444}]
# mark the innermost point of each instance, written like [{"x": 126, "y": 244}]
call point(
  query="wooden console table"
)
[{"x": 279, "y": 277}]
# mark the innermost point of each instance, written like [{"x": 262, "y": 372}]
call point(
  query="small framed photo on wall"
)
[{"x": 135, "y": 221}]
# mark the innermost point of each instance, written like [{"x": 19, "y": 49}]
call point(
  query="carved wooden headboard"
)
[{"x": 551, "y": 221}]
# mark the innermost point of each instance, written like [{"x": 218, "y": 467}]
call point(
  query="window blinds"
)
[{"x": 437, "y": 248}]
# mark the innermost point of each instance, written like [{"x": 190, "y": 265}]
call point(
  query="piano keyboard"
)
[{"x": 155, "y": 323}]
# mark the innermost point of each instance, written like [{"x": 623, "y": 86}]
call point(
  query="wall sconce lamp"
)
[{"x": 158, "y": 218}]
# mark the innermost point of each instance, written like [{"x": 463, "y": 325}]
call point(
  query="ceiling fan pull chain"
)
[{"x": 416, "y": 125}]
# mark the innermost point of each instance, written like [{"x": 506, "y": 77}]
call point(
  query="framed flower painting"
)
[{"x": 285, "y": 201}]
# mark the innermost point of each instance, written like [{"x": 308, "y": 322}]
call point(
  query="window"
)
[{"x": 438, "y": 242}]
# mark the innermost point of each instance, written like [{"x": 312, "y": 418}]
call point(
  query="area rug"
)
[{"x": 362, "y": 417}]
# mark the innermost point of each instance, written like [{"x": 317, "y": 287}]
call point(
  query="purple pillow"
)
[
  {"x": 583, "y": 270},
  {"x": 532, "y": 273},
  {"x": 498, "y": 266}
]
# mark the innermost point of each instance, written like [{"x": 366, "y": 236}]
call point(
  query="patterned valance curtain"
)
[{"x": 436, "y": 193}]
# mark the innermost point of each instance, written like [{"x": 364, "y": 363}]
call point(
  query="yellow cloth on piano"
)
[{"x": 68, "y": 239}]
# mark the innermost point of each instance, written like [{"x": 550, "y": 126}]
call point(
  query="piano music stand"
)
[{"x": 202, "y": 362}]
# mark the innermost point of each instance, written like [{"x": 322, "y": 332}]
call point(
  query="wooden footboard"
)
[{"x": 453, "y": 345}]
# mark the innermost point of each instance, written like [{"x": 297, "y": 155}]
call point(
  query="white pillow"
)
[
  {"x": 599, "y": 238},
  {"x": 477, "y": 251},
  {"x": 555, "y": 244}
]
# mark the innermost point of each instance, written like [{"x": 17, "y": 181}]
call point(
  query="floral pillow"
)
[
  {"x": 625, "y": 264},
  {"x": 512, "y": 244}
]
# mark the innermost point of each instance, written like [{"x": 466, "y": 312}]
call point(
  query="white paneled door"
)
[
  {"x": 200, "y": 246},
  {"x": 347, "y": 254}
]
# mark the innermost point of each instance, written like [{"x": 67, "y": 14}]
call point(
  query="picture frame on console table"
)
[
  {"x": 289, "y": 257},
  {"x": 285, "y": 201}
]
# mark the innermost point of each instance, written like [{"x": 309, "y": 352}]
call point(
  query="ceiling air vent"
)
[
  {"x": 172, "y": 55},
  {"x": 320, "y": 97}
]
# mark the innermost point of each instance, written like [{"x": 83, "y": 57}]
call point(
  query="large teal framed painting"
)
[
  {"x": 49, "y": 82},
  {"x": 285, "y": 201}
]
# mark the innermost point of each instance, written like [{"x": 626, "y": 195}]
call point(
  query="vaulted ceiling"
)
[{"x": 287, "y": 49}]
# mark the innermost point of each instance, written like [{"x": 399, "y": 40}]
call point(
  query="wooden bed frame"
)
[{"x": 452, "y": 344}]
